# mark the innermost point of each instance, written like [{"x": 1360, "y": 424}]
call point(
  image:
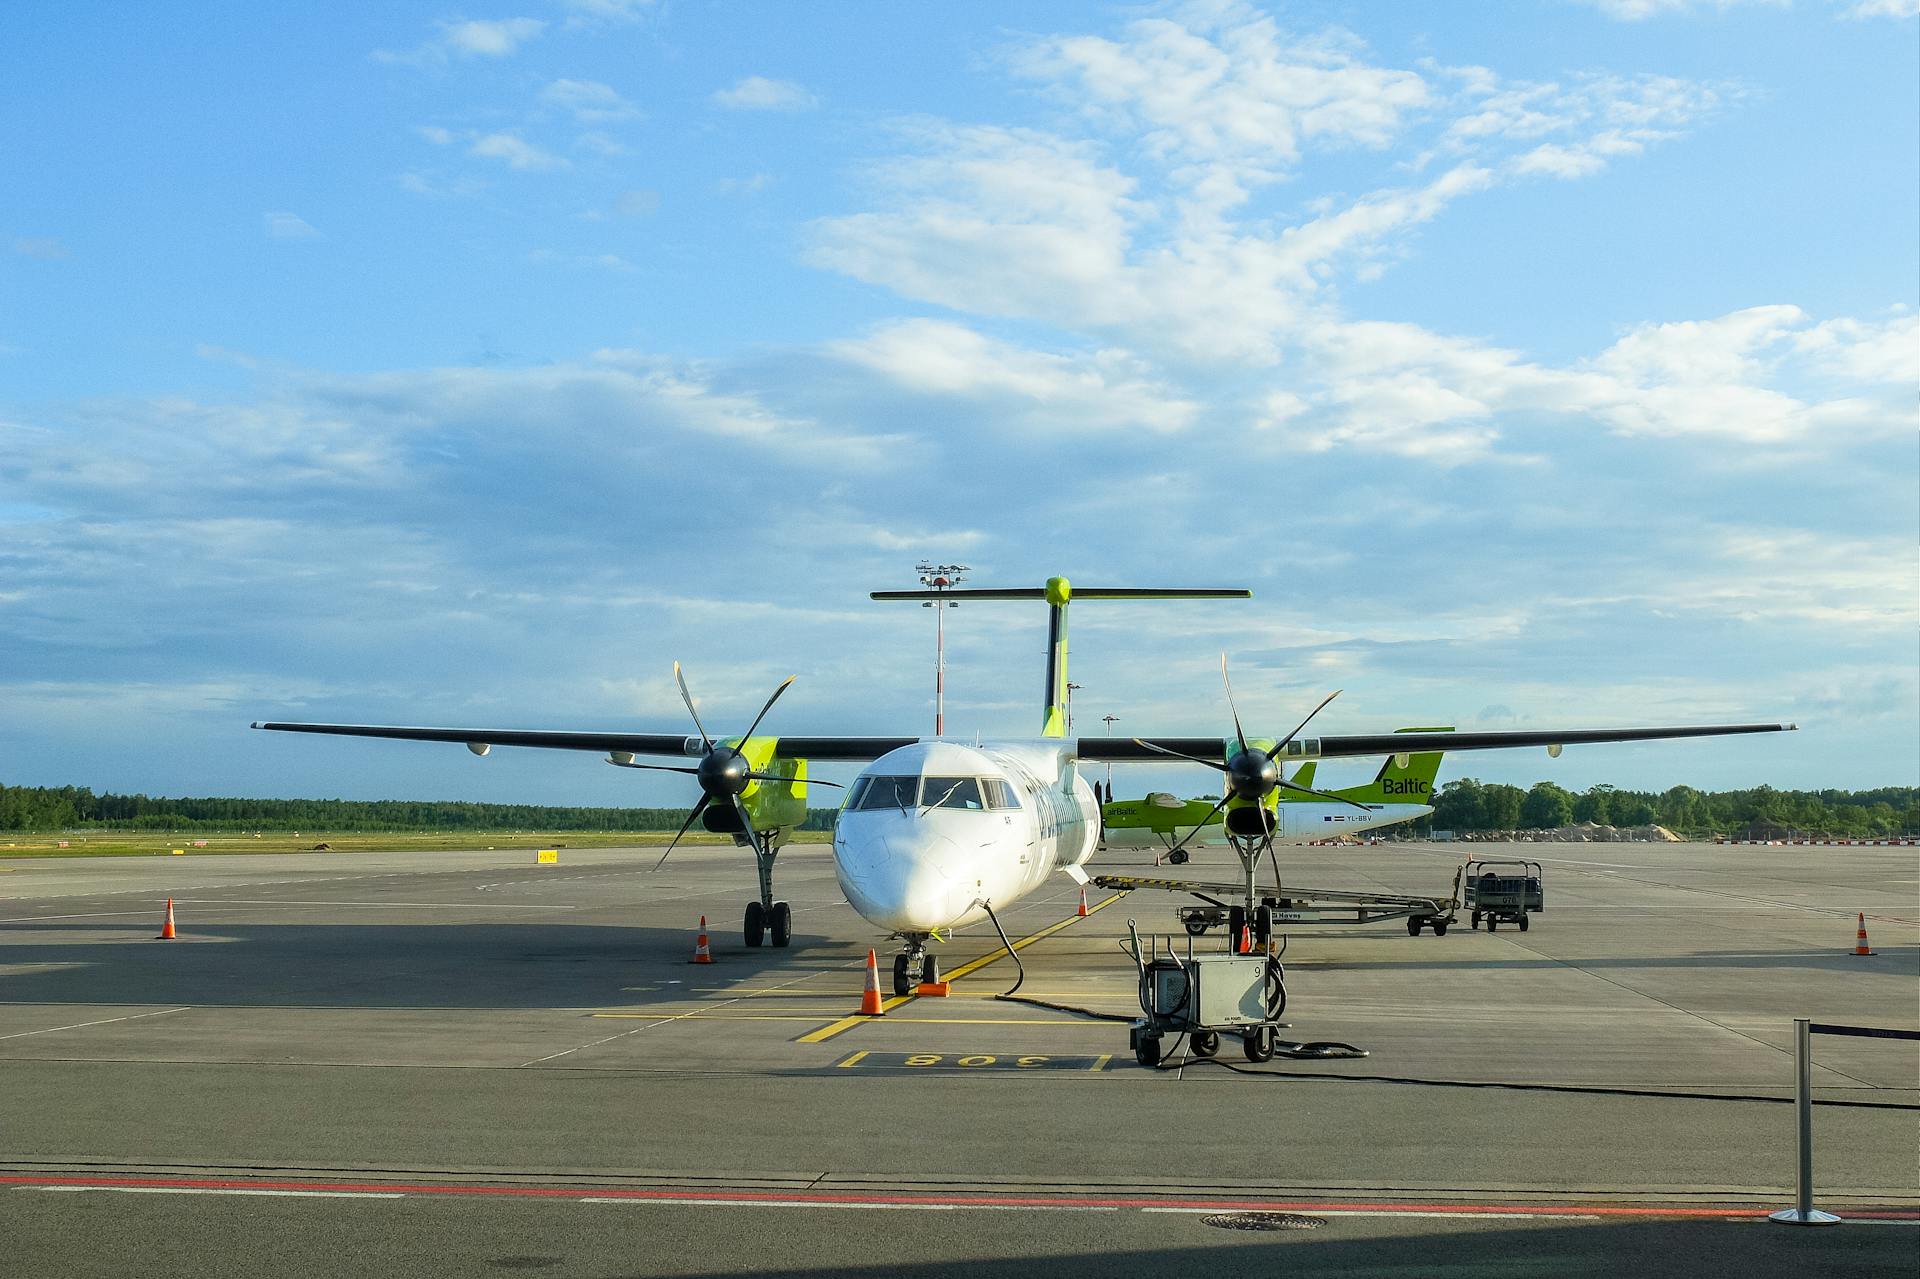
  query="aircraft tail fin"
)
[
  {"x": 1404, "y": 778},
  {"x": 1058, "y": 592}
]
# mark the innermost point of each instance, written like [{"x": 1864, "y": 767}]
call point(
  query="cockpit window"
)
[
  {"x": 885, "y": 792},
  {"x": 1000, "y": 793},
  {"x": 952, "y": 792}
]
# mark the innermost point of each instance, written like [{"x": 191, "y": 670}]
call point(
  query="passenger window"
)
[
  {"x": 952, "y": 792},
  {"x": 887, "y": 792}
]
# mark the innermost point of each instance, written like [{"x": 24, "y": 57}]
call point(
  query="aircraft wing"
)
[
  {"x": 1101, "y": 750},
  {"x": 675, "y": 744}
]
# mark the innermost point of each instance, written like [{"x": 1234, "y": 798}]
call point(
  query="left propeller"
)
[{"x": 724, "y": 772}]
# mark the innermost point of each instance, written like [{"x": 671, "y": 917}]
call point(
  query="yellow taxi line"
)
[{"x": 845, "y": 1024}]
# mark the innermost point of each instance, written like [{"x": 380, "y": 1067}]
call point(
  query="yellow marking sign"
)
[
  {"x": 548, "y": 857},
  {"x": 973, "y": 1062}
]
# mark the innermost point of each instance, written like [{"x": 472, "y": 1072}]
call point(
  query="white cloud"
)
[
  {"x": 1103, "y": 391},
  {"x": 637, "y": 203},
  {"x": 490, "y": 39},
  {"x": 1885, "y": 9},
  {"x": 603, "y": 261},
  {"x": 1231, "y": 92},
  {"x": 288, "y": 226},
  {"x": 44, "y": 247},
  {"x": 516, "y": 152},
  {"x": 1638, "y": 10},
  {"x": 607, "y": 12},
  {"x": 758, "y": 93},
  {"x": 590, "y": 101},
  {"x": 474, "y": 38},
  {"x": 752, "y": 184}
]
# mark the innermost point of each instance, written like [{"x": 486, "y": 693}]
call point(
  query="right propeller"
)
[
  {"x": 1252, "y": 774},
  {"x": 724, "y": 772}
]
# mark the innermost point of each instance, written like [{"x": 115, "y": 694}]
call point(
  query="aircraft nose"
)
[{"x": 900, "y": 877}]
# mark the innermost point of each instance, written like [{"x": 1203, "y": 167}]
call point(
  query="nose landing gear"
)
[{"x": 914, "y": 965}]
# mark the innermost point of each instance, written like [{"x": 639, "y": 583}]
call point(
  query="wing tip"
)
[{"x": 258, "y": 723}]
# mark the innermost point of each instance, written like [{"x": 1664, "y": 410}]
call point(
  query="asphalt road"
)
[{"x": 422, "y": 1026}]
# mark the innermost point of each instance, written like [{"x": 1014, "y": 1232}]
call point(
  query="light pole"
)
[
  {"x": 940, "y": 577},
  {"x": 1071, "y": 687},
  {"x": 1109, "y": 720}
]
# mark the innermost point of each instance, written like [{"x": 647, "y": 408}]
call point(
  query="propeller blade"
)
[
  {"x": 1239, "y": 732},
  {"x": 1185, "y": 839},
  {"x": 706, "y": 741},
  {"x": 697, "y": 810},
  {"x": 746, "y": 820},
  {"x": 1282, "y": 744},
  {"x": 653, "y": 768},
  {"x": 1321, "y": 794},
  {"x": 764, "y": 709},
  {"x": 805, "y": 781},
  {"x": 1220, "y": 764}
]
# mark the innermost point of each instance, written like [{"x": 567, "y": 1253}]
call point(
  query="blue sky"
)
[{"x": 1536, "y": 364}]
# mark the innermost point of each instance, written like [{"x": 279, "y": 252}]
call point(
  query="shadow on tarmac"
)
[{"x": 505, "y": 965}]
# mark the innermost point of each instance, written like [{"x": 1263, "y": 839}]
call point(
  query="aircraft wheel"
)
[
  {"x": 929, "y": 969},
  {"x": 780, "y": 923},
  {"x": 901, "y": 985},
  {"x": 1492, "y": 923},
  {"x": 1178, "y": 857},
  {"x": 1439, "y": 928},
  {"x": 1257, "y": 1044},
  {"x": 1148, "y": 1052},
  {"x": 1262, "y": 924},
  {"x": 1196, "y": 927},
  {"x": 1236, "y": 920},
  {"x": 1205, "y": 1043},
  {"x": 1523, "y": 923},
  {"x": 1413, "y": 926},
  {"x": 756, "y": 923}
]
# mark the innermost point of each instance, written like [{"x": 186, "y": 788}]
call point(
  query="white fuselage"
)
[{"x": 976, "y": 826}]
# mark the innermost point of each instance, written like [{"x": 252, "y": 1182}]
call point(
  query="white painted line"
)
[
  {"x": 1401, "y": 1212},
  {"x": 226, "y": 1190},
  {"x": 104, "y": 1021},
  {"x": 877, "y": 1207}
]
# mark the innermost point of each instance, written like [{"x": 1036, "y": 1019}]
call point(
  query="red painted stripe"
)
[{"x": 962, "y": 1201}]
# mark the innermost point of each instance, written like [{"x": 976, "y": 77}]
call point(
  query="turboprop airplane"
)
[
  {"x": 1398, "y": 793},
  {"x": 936, "y": 833}
]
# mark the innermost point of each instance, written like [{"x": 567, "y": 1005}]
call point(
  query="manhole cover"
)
[{"x": 1263, "y": 1221}]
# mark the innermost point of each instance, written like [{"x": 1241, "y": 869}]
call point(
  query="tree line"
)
[
  {"x": 1463, "y": 805},
  {"x": 51, "y": 808},
  {"x": 1470, "y": 805}
]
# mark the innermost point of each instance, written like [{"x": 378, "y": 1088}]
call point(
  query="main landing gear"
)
[
  {"x": 914, "y": 965},
  {"x": 767, "y": 915}
]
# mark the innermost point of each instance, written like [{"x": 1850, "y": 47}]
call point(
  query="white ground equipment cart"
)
[
  {"x": 1496, "y": 891},
  {"x": 1205, "y": 996}
]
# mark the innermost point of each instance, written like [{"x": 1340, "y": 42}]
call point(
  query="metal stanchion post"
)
[{"x": 1803, "y": 1213}]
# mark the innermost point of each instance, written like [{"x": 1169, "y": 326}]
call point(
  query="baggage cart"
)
[{"x": 1497, "y": 891}]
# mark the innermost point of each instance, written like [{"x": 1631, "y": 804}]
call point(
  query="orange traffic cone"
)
[
  {"x": 870, "y": 999},
  {"x": 1860, "y": 946},
  {"x": 1246, "y": 940},
  {"x": 167, "y": 933},
  {"x": 1083, "y": 901},
  {"x": 701, "y": 955}
]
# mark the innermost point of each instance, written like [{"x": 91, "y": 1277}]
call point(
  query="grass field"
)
[{"x": 131, "y": 844}]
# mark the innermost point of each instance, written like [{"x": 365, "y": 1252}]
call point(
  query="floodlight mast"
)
[{"x": 940, "y": 577}]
